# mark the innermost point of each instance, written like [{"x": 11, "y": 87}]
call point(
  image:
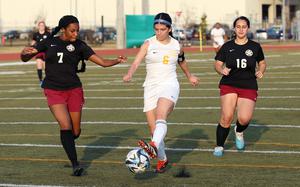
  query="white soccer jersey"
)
[
  {"x": 218, "y": 35},
  {"x": 161, "y": 61}
]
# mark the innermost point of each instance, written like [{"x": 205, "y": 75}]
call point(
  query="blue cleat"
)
[
  {"x": 239, "y": 140},
  {"x": 219, "y": 151}
]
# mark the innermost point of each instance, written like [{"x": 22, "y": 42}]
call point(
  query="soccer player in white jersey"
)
[
  {"x": 218, "y": 36},
  {"x": 161, "y": 88}
]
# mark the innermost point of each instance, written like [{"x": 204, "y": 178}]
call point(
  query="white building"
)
[{"x": 21, "y": 15}]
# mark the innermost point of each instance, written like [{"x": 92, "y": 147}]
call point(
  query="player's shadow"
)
[
  {"x": 187, "y": 142},
  {"x": 94, "y": 152},
  {"x": 251, "y": 135}
]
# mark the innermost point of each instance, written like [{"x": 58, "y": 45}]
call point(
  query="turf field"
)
[{"x": 113, "y": 122}]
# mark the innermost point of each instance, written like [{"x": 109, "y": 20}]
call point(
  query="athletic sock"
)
[
  {"x": 161, "y": 154},
  {"x": 40, "y": 74},
  {"x": 67, "y": 140},
  {"x": 159, "y": 132},
  {"x": 222, "y": 134},
  {"x": 241, "y": 128}
]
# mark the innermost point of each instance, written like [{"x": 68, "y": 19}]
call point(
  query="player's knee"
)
[
  {"x": 76, "y": 134},
  {"x": 243, "y": 120},
  {"x": 226, "y": 121}
]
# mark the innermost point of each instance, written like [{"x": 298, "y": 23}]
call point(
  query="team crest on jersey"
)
[
  {"x": 249, "y": 52},
  {"x": 70, "y": 48}
]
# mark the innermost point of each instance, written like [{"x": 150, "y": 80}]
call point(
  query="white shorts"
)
[
  {"x": 218, "y": 43},
  {"x": 153, "y": 92}
]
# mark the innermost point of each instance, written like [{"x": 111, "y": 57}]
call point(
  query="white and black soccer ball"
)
[{"x": 137, "y": 161}]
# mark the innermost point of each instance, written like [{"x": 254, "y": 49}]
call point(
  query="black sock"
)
[
  {"x": 67, "y": 140},
  {"x": 40, "y": 74},
  {"x": 222, "y": 134},
  {"x": 241, "y": 128}
]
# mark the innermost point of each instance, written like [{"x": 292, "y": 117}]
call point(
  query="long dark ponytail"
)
[{"x": 63, "y": 23}]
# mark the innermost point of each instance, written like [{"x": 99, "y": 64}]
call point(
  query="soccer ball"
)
[{"x": 137, "y": 161}]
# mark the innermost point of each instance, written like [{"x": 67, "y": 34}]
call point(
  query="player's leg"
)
[
  {"x": 245, "y": 109},
  {"x": 75, "y": 103},
  {"x": 61, "y": 114},
  {"x": 228, "y": 104},
  {"x": 39, "y": 67},
  {"x": 150, "y": 115},
  {"x": 161, "y": 154}
]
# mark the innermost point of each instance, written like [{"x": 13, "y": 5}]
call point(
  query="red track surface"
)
[{"x": 288, "y": 47}]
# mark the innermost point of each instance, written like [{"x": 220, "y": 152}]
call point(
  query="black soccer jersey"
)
[
  {"x": 241, "y": 59},
  {"x": 62, "y": 58},
  {"x": 40, "y": 37}
]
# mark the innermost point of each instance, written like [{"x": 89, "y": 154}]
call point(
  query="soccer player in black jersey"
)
[
  {"x": 240, "y": 62},
  {"x": 62, "y": 86},
  {"x": 39, "y": 36}
]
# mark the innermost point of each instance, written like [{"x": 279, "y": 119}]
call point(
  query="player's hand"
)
[
  {"x": 122, "y": 59},
  {"x": 126, "y": 78},
  {"x": 226, "y": 71},
  {"x": 259, "y": 74},
  {"x": 29, "y": 50},
  {"x": 194, "y": 80}
]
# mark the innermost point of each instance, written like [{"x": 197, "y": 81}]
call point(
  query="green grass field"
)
[{"x": 113, "y": 122}]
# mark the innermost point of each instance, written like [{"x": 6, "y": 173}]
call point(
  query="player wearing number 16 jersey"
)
[
  {"x": 62, "y": 86},
  {"x": 241, "y": 62},
  {"x": 161, "y": 88}
]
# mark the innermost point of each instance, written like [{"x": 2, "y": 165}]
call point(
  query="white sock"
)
[
  {"x": 159, "y": 132},
  {"x": 161, "y": 154}
]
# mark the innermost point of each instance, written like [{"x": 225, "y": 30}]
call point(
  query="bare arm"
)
[
  {"x": 192, "y": 79},
  {"x": 106, "y": 62},
  {"x": 27, "y": 53},
  {"x": 137, "y": 61},
  {"x": 262, "y": 65},
  {"x": 220, "y": 69}
]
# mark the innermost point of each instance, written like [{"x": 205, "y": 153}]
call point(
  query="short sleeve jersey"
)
[
  {"x": 242, "y": 60},
  {"x": 62, "y": 58},
  {"x": 161, "y": 61},
  {"x": 40, "y": 37}
]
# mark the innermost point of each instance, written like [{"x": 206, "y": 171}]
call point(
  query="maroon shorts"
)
[
  {"x": 40, "y": 55},
  {"x": 73, "y": 98},
  {"x": 241, "y": 92}
]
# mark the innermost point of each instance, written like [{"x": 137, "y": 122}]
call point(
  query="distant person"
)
[
  {"x": 217, "y": 36},
  {"x": 162, "y": 53},
  {"x": 39, "y": 36},
  {"x": 62, "y": 86},
  {"x": 240, "y": 61}
]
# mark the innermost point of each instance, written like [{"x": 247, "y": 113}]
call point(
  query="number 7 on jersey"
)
[{"x": 60, "y": 55}]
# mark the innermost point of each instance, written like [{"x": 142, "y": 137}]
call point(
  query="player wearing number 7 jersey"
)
[
  {"x": 62, "y": 86},
  {"x": 162, "y": 53},
  {"x": 241, "y": 62}
]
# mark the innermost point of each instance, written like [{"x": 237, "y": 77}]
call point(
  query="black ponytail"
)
[{"x": 63, "y": 23}]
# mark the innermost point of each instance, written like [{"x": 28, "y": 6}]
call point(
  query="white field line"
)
[
  {"x": 143, "y": 123},
  {"x": 167, "y": 148},
  {"x": 32, "y": 89},
  {"x": 135, "y": 98},
  {"x": 140, "y": 108},
  {"x": 30, "y": 185},
  {"x": 3, "y": 64}
]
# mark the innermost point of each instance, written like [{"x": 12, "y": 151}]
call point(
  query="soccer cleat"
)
[
  {"x": 150, "y": 148},
  {"x": 239, "y": 140},
  {"x": 77, "y": 171},
  {"x": 218, "y": 151},
  {"x": 161, "y": 166}
]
